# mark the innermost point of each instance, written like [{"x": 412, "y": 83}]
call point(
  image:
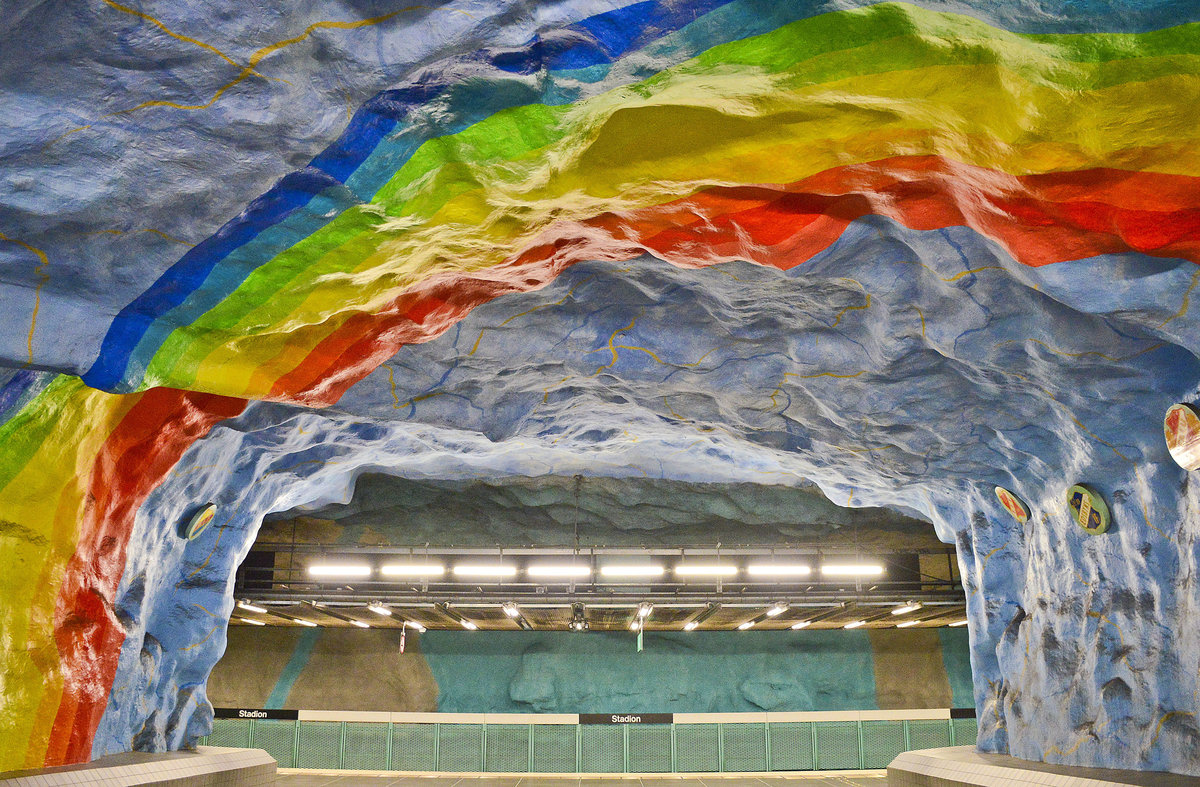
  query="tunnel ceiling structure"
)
[{"x": 739, "y": 265}]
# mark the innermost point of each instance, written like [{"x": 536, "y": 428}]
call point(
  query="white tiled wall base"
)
[
  {"x": 208, "y": 766},
  {"x": 963, "y": 765}
]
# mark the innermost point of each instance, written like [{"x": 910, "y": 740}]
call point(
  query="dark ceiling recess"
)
[{"x": 558, "y": 588}]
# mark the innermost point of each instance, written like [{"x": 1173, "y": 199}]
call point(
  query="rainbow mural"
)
[{"x": 698, "y": 133}]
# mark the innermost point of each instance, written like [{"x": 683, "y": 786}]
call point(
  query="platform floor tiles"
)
[{"x": 874, "y": 779}]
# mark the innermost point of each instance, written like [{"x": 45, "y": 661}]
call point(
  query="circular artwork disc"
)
[
  {"x": 200, "y": 520},
  {"x": 1181, "y": 428},
  {"x": 1012, "y": 504},
  {"x": 1088, "y": 509}
]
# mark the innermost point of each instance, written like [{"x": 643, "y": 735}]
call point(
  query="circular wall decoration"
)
[
  {"x": 1088, "y": 508},
  {"x": 198, "y": 522},
  {"x": 1181, "y": 428},
  {"x": 1013, "y": 505}
]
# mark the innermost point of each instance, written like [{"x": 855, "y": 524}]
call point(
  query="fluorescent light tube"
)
[
  {"x": 904, "y": 610},
  {"x": 246, "y": 605},
  {"x": 633, "y": 570},
  {"x": 749, "y": 624},
  {"x": 510, "y": 609},
  {"x": 304, "y": 622},
  {"x": 800, "y": 624},
  {"x": 339, "y": 570},
  {"x": 484, "y": 570},
  {"x": 558, "y": 570},
  {"x": 853, "y": 570},
  {"x": 690, "y": 625},
  {"x": 778, "y": 570},
  {"x": 776, "y": 609},
  {"x": 251, "y": 621},
  {"x": 958, "y": 623},
  {"x": 412, "y": 624},
  {"x": 469, "y": 625},
  {"x": 907, "y": 623},
  {"x": 413, "y": 570},
  {"x": 644, "y": 609},
  {"x": 706, "y": 570},
  {"x": 360, "y": 624},
  {"x": 855, "y": 624}
]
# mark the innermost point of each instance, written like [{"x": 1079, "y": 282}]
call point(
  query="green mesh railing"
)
[{"x": 571, "y": 748}]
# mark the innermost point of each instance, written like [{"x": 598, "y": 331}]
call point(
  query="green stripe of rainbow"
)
[{"x": 758, "y": 111}]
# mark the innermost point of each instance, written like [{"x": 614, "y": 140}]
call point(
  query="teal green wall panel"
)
[
  {"x": 697, "y": 672},
  {"x": 956, "y": 653}
]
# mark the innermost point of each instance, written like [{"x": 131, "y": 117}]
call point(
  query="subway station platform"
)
[{"x": 291, "y": 778}]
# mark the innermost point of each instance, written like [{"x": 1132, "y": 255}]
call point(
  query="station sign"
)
[
  {"x": 256, "y": 713},
  {"x": 626, "y": 718}
]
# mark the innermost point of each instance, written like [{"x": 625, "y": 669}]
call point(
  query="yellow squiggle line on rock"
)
[
  {"x": 612, "y": 338},
  {"x": 261, "y": 54},
  {"x": 1120, "y": 634},
  {"x": 1078, "y": 743},
  {"x": 161, "y": 26},
  {"x": 44, "y": 277},
  {"x": 1163, "y": 720},
  {"x": 249, "y": 69},
  {"x": 842, "y": 313},
  {"x": 1187, "y": 297}
]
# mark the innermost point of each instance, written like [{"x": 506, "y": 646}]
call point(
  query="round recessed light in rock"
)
[
  {"x": 1181, "y": 428},
  {"x": 196, "y": 524},
  {"x": 1013, "y": 504},
  {"x": 1088, "y": 508}
]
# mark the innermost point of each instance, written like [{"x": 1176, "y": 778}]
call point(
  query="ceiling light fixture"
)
[
  {"x": 379, "y": 609},
  {"x": 907, "y": 623},
  {"x": 635, "y": 624},
  {"x": 958, "y": 623},
  {"x": 778, "y": 570},
  {"x": 339, "y": 570},
  {"x": 510, "y": 609},
  {"x": 633, "y": 570},
  {"x": 251, "y": 621},
  {"x": 412, "y": 624},
  {"x": 801, "y": 624},
  {"x": 469, "y": 625},
  {"x": 855, "y": 624},
  {"x": 578, "y": 619},
  {"x": 911, "y": 606},
  {"x": 852, "y": 570},
  {"x": 360, "y": 624},
  {"x": 246, "y": 605},
  {"x": 778, "y": 608},
  {"x": 709, "y": 610},
  {"x": 644, "y": 610},
  {"x": 749, "y": 624},
  {"x": 412, "y": 570},
  {"x": 304, "y": 622}
]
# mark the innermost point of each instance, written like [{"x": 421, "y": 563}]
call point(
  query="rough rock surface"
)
[
  {"x": 903, "y": 253},
  {"x": 600, "y": 511}
]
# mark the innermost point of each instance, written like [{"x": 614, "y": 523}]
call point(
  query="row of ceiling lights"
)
[
  {"x": 579, "y": 623},
  {"x": 578, "y": 571}
]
